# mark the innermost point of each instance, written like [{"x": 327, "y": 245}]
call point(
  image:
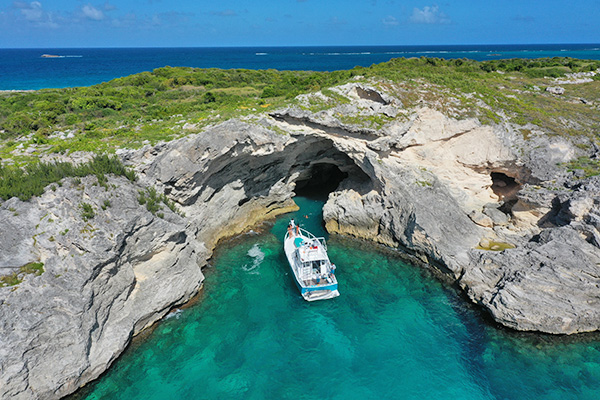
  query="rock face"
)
[
  {"x": 104, "y": 280},
  {"x": 447, "y": 191}
]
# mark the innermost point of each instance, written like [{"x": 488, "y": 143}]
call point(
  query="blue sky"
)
[{"x": 172, "y": 23}]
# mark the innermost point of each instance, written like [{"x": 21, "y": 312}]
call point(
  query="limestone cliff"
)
[{"x": 448, "y": 191}]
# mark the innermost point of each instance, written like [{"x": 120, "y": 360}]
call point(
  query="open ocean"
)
[
  {"x": 23, "y": 69},
  {"x": 394, "y": 332}
]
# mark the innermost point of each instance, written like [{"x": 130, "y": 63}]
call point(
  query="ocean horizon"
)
[{"x": 26, "y": 69}]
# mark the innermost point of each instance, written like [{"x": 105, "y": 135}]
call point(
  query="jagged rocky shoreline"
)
[{"x": 449, "y": 192}]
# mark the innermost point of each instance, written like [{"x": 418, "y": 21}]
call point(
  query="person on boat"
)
[
  {"x": 295, "y": 227},
  {"x": 292, "y": 228}
]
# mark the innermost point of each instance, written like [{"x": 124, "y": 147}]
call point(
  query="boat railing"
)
[{"x": 307, "y": 234}]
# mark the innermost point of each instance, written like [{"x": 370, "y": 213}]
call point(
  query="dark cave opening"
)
[
  {"x": 319, "y": 180},
  {"x": 505, "y": 187}
]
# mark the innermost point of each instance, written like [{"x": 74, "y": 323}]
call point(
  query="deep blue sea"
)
[
  {"x": 23, "y": 69},
  {"x": 394, "y": 332}
]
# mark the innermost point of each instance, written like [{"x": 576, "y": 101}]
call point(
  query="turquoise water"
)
[{"x": 394, "y": 333}]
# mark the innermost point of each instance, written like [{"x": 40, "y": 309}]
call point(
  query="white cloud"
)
[
  {"x": 31, "y": 11},
  {"x": 390, "y": 21},
  {"x": 34, "y": 13},
  {"x": 92, "y": 12},
  {"x": 429, "y": 15}
]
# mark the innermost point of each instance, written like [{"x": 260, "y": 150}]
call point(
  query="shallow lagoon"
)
[{"x": 394, "y": 332}]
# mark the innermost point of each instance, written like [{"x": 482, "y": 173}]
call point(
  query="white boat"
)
[{"x": 307, "y": 256}]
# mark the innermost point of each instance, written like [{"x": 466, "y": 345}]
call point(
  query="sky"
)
[{"x": 200, "y": 23}]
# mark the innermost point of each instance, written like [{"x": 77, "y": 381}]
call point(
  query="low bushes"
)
[{"x": 33, "y": 178}]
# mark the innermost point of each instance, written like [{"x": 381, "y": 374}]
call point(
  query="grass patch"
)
[
  {"x": 35, "y": 268},
  {"x": 376, "y": 121},
  {"x": 341, "y": 99},
  {"x": 105, "y": 205},
  {"x": 590, "y": 167},
  {"x": 87, "y": 211}
]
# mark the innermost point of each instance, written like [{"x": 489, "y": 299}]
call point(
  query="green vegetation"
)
[
  {"x": 335, "y": 95},
  {"x": 146, "y": 106},
  {"x": 486, "y": 88},
  {"x": 157, "y": 105},
  {"x": 153, "y": 201},
  {"x": 35, "y": 268},
  {"x": 33, "y": 178},
  {"x": 376, "y": 121},
  {"x": 87, "y": 211},
  {"x": 590, "y": 167},
  {"x": 106, "y": 204}
]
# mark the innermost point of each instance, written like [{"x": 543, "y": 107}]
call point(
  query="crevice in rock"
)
[
  {"x": 505, "y": 187},
  {"x": 345, "y": 131},
  {"x": 554, "y": 217},
  {"x": 507, "y": 206},
  {"x": 369, "y": 94}
]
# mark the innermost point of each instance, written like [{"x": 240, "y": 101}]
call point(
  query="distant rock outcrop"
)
[{"x": 557, "y": 90}]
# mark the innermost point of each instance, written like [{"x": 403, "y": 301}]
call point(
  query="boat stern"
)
[{"x": 320, "y": 292}]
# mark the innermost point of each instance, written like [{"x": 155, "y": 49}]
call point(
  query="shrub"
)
[
  {"x": 153, "y": 200},
  {"x": 87, "y": 212},
  {"x": 31, "y": 180}
]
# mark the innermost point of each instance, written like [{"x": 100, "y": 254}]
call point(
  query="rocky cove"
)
[{"x": 479, "y": 204}]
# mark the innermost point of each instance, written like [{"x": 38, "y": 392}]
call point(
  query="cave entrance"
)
[
  {"x": 505, "y": 187},
  {"x": 319, "y": 180}
]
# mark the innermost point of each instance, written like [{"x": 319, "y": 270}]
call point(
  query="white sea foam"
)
[
  {"x": 174, "y": 314},
  {"x": 364, "y": 53},
  {"x": 257, "y": 258}
]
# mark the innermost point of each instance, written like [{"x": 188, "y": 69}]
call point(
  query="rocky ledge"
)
[{"x": 479, "y": 205}]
